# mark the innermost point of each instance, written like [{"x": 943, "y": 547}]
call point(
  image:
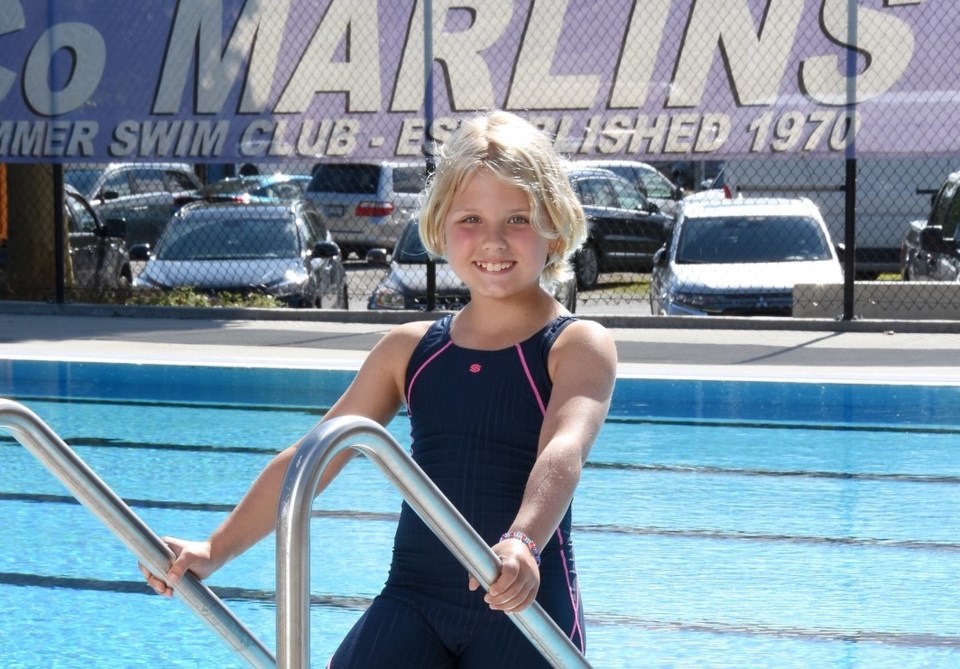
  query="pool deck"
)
[{"x": 888, "y": 352}]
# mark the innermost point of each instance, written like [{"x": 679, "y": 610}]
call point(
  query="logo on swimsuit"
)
[{"x": 474, "y": 368}]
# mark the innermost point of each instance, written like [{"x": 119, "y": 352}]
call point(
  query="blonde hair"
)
[{"x": 522, "y": 155}]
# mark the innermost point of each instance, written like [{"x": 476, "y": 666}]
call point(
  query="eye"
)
[
  {"x": 518, "y": 220},
  {"x": 470, "y": 219}
]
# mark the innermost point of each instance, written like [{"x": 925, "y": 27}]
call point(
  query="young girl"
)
[{"x": 505, "y": 400}]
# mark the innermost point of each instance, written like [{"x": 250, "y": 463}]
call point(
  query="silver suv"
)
[
  {"x": 145, "y": 195},
  {"x": 366, "y": 204}
]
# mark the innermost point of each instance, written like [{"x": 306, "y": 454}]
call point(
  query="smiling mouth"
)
[{"x": 494, "y": 266}]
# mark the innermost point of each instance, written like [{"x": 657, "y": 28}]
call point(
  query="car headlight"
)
[
  {"x": 696, "y": 300},
  {"x": 147, "y": 281},
  {"x": 387, "y": 296},
  {"x": 291, "y": 283}
]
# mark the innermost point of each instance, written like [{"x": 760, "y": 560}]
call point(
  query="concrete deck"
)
[{"x": 648, "y": 347}]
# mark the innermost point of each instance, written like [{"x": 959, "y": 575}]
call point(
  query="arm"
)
[
  {"x": 583, "y": 365},
  {"x": 376, "y": 393}
]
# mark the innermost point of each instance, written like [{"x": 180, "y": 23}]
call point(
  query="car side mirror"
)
[
  {"x": 108, "y": 195},
  {"x": 651, "y": 207},
  {"x": 326, "y": 250},
  {"x": 841, "y": 250},
  {"x": 377, "y": 257},
  {"x": 115, "y": 227},
  {"x": 931, "y": 239},
  {"x": 139, "y": 252}
]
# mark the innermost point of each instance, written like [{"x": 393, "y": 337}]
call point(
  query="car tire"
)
[{"x": 587, "y": 267}]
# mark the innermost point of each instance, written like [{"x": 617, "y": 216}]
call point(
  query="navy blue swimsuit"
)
[{"x": 475, "y": 424}]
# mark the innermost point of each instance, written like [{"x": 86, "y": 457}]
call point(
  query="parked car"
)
[
  {"x": 657, "y": 188},
  {"x": 98, "y": 253},
  {"x": 278, "y": 250},
  {"x": 930, "y": 251},
  {"x": 143, "y": 194},
  {"x": 98, "y": 258},
  {"x": 259, "y": 189},
  {"x": 366, "y": 204},
  {"x": 742, "y": 257},
  {"x": 625, "y": 229},
  {"x": 405, "y": 284}
]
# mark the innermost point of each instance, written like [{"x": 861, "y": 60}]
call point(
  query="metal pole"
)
[
  {"x": 316, "y": 451},
  {"x": 850, "y": 201},
  {"x": 38, "y": 438},
  {"x": 429, "y": 146}
]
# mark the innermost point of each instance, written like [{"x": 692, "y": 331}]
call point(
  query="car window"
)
[
  {"x": 201, "y": 238},
  {"x": 596, "y": 192},
  {"x": 751, "y": 239},
  {"x": 146, "y": 181},
  {"x": 316, "y": 231},
  {"x": 177, "y": 181},
  {"x": 627, "y": 195},
  {"x": 655, "y": 185},
  {"x": 409, "y": 179},
  {"x": 409, "y": 247},
  {"x": 79, "y": 218},
  {"x": 944, "y": 200},
  {"x": 118, "y": 183},
  {"x": 953, "y": 215},
  {"x": 362, "y": 179}
]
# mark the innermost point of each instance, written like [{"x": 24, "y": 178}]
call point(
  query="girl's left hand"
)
[{"x": 519, "y": 580}]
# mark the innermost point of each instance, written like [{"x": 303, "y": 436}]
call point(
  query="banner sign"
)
[{"x": 279, "y": 80}]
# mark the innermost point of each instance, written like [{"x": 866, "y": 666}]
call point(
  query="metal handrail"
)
[
  {"x": 314, "y": 454},
  {"x": 38, "y": 438}
]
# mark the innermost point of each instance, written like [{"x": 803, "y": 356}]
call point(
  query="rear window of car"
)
[
  {"x": 345, "y": 179},
  {"x": 409, "y": 179}
]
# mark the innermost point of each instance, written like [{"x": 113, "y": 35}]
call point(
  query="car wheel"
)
[{"x": 586, "y": 267}]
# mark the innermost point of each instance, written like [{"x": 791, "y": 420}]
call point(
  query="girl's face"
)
[{"x": 490, "y": 242}]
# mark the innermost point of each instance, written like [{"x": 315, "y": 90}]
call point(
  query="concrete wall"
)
[{"x": 906, "y": 300}]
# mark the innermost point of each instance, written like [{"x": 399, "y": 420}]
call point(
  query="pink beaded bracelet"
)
[{"x": 528, "y": 542}]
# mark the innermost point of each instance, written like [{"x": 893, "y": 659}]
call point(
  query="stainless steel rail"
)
[
  {"x": 93, "y": 493},
  {"x": 317, "y": 449}
]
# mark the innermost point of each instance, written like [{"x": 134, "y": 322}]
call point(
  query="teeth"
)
[{"x": 494, "y": 266}]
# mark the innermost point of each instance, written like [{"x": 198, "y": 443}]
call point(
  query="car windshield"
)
[
  {"x": 228, "y": 239},
  {"x": 409, "y": 247},
  {"x": 345, "y": 179},
  {"x": 751, "y": 239}
]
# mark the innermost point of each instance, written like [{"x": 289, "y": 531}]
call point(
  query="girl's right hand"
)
[{"x": 188, "y": 555}]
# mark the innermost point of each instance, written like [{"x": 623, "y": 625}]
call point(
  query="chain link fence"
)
[{"x": 149, "y": 173}]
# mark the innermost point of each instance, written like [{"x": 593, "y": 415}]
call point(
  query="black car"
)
[
  {"x": 625, "y": 229},
  {"x": 97, "y": 258},
  {"x": 930, "y": 251},
  {"x": 98, "y": 254},
  {"x": 405, "y": 284}
]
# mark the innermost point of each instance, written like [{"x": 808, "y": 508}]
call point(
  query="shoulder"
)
[
  {"x": 400, "y": 339},
  {"x": 584, "y": 346}
]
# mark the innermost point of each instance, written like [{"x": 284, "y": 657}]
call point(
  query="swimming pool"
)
[{"x": 719, "y": 523}]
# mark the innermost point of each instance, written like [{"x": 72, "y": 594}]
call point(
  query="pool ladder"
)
[{"x": 317, "y": 448}]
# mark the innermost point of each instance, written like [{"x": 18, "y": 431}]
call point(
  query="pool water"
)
[{"x": 718, "y": 523}]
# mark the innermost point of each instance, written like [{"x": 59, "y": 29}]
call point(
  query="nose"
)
[{"x": 494, "y": 237}]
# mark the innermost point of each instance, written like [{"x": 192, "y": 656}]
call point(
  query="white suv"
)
[
  {"x": 366, "y": 204},
  {"x": 742, "y": 257}
]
